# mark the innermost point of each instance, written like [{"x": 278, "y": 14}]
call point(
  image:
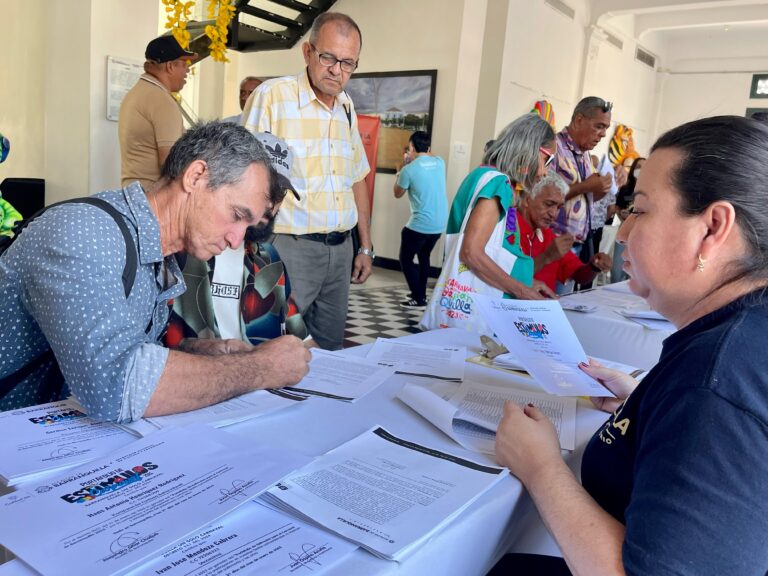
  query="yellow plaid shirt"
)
[{"x": 328, "y": 154}]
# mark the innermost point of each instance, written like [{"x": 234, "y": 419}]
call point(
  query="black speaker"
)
[{"x": 27, "y": 195}]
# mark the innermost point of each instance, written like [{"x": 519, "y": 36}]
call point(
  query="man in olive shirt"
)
[{"x": 150, "y": 118}]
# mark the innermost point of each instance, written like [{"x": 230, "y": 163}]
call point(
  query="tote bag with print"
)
[{"x": 452, "y": 304}]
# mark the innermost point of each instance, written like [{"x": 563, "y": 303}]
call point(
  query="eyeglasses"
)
[
  {"x": 604, "y": 105},
  {"x": 329, "y": 61},
  {"x": 550, "y": 156}
]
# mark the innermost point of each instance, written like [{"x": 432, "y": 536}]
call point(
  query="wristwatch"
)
[{"x": 367, "y": 251}]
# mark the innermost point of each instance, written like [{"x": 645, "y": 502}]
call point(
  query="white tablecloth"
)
[
  {"x": 474, "y": 541},
  {"x": 607, "y": 334}
]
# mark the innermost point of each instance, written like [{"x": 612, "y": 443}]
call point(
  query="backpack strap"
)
[
  {"x": 10, "y": 381},
  {"x": 131, "y": 256}
]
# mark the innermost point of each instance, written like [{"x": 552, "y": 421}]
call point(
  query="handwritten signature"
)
[
  {"x": 236, "y": 492},
  {"x": 307, "y": 557}
]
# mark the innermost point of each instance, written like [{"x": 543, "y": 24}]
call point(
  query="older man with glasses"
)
[
  {"x": 583, "y": 215},
  {"x": 317, "y": 119}
]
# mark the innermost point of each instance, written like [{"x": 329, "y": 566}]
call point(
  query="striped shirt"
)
[{"x": 328, "y": 154}]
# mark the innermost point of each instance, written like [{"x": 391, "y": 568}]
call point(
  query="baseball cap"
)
[
  {"x": 165, "y": 49},
  {"x": 281, "y": 157}
]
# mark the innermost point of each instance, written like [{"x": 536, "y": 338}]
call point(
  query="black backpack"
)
[{"x": 9, "y": 382}]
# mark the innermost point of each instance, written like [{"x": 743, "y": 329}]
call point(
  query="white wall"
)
[
  {"x": 542, "y": 60},
  {"x": 22, "y": 94},
  {"x": 66, "y": 34},
  {"x": 53, "y": 89},
  {"x": 109, "y": 38},
  {"x": 616, "y": 76},
  {"x": 710, "y": 73}
]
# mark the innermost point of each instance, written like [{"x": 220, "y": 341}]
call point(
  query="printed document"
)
[
  {"x": 385, "y": 493},
  {"x": 472, "y": 415},
  {"x": 341, "y": 377},
  {"x": 509, "y": 361},
  {"x": 41, "y": 440},
  {"x": 539, "y": 334},
  {"x": 238, "y": 409},
  {"x": 446, "y": 362},
  {"x": 116, "y": 512},
  {"x": 254, "y": 539}
]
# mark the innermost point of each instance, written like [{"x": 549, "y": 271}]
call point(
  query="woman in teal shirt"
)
[{"x": 521, "y": 152}]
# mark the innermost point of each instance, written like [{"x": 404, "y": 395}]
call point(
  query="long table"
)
[
  {"x": 607, "y": 334},
  {"x": 474, "y": 541}
]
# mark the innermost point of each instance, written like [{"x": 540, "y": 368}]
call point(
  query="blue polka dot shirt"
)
[{"x": 61, "y": 289}]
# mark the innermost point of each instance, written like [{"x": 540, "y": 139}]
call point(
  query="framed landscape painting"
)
[{"x": 405, "y": 102}]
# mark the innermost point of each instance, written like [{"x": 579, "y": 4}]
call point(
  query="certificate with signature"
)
[
  {"x": 254, "y": 539},
  {"x": 116, "y": 512},
  {"x": 386, "y": 493},
  {"x": 41, "y": 440},
  {"x": 538, "y": 333}
]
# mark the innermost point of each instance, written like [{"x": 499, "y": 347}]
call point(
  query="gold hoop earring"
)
[{"x": 700, "y": 263}]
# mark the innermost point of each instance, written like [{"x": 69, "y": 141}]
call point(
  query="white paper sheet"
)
[
  {"x": 244, "y": 407},
  {"x": 113, "y": 513},
  {"x": 44, "y": 439},
  {"x": 340, "y": 377},
  {"x": 648, "y": 318},
  {"x": 446, "y": 362},
  {"x": 383, "y": 492},
  {"x": 510, "y": 362},
  {"x": 606, "y": 168},
  {"x": 473, "y": 413},
  {"x": 254, "y": 539},
  {"x": 538, "y": 333}
]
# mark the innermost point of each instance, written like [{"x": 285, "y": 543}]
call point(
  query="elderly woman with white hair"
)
[{"x": 553, "y": 260}]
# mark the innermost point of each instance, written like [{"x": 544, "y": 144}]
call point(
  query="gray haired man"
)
[{"x": 73, "y": 325}]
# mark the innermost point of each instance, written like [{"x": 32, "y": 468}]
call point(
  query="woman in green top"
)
[{"x": 521, "y": 152}]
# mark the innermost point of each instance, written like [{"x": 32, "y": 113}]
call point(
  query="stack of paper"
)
[
  {"x": 239, "y": 409},
  {"x": 385, "y": 493},
  {"x": 544, "y": 342},
  {"x": 114, "y": 513},
  {"x": 45, "y": 439},
  {"x": 472, "y": 415},
  {"x": 340, "y": 377},
  {"x": 444, "y": 362}
]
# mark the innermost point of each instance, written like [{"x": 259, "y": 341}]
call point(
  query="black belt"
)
[{"x": 331, "y": 239}]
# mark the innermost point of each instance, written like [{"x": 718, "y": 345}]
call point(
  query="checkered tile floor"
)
[{"x": 376, "y": 313}]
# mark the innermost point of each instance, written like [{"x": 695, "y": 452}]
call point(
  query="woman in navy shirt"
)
[{"x": 675, "y": 481}]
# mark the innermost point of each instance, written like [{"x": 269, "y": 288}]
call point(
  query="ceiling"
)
[{"x": 686, "y": 18}]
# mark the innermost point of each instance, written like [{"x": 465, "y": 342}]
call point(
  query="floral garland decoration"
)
[
  {"x": 178, "y": 16},
  {"x": 222, "y": 11}
]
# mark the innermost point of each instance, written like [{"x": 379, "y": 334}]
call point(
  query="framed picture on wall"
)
[
  {"x": 752, "y": 111},
  {"x": 405, "y": 102},
  {"x": 759, "y": 86}
]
